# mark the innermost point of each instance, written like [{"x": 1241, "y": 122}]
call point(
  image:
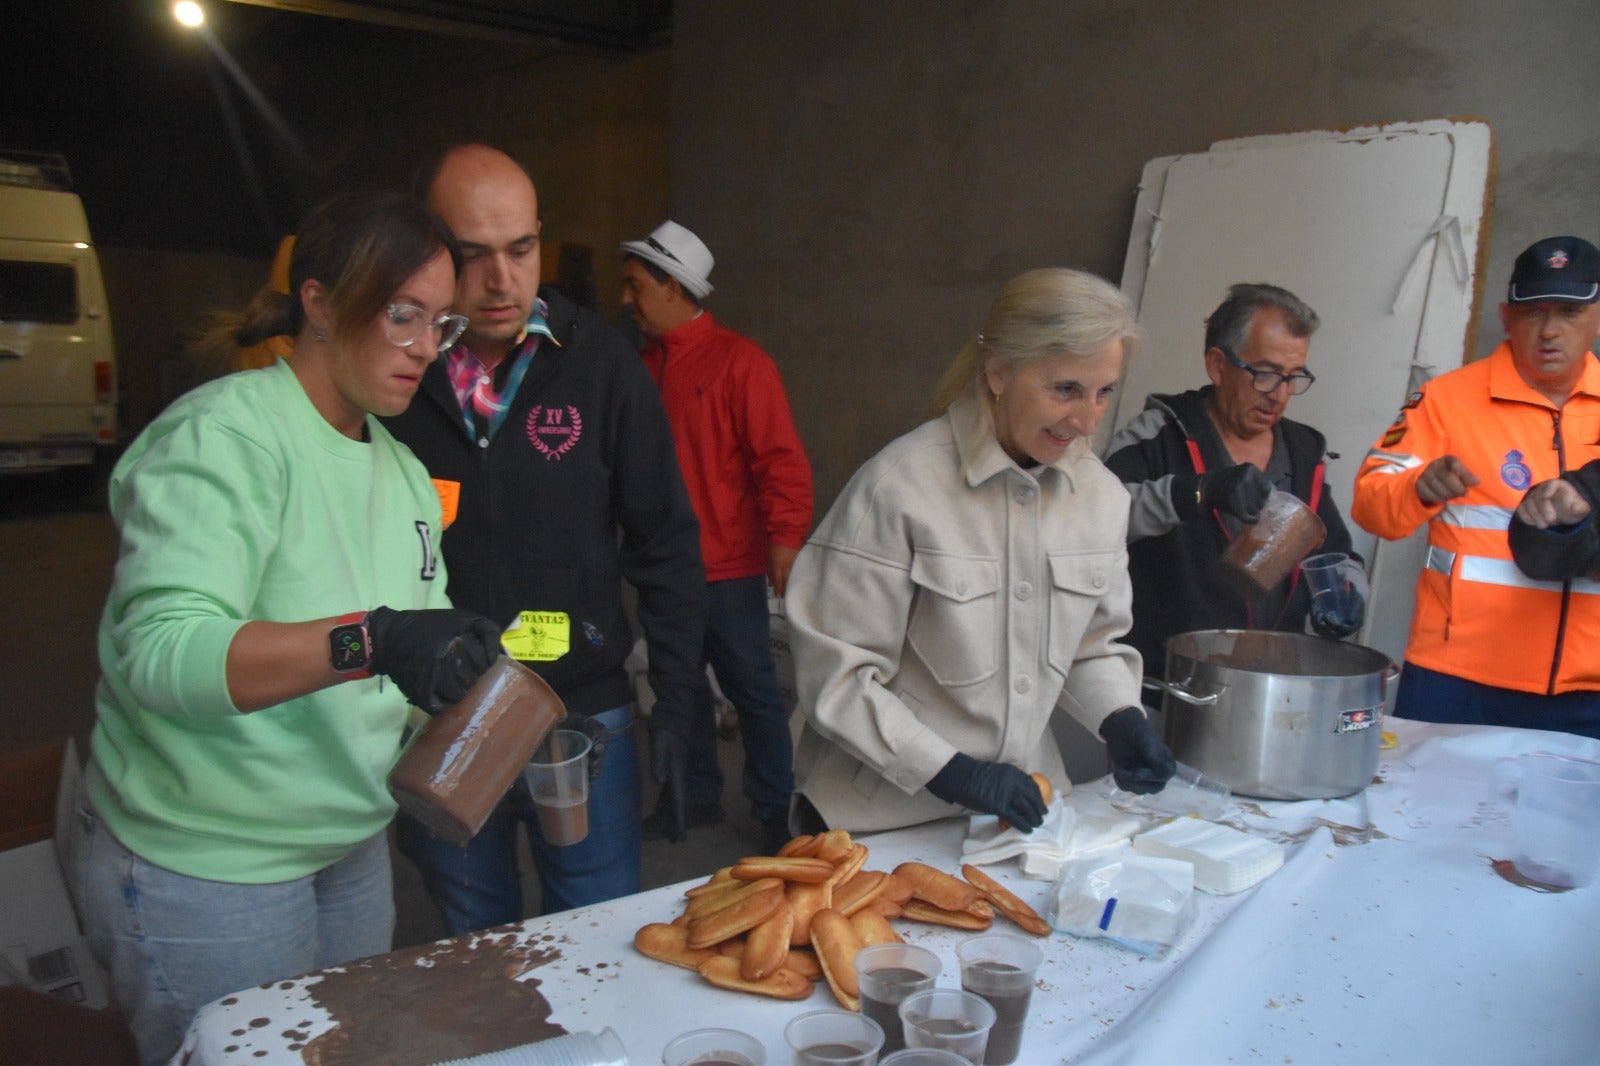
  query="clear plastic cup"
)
[
  {"x": 714, "y": 1047},
  {"x": 887, "y": 974},
  {"x": 1558, "y": 805},
  {"x": 948, "y": 1018},
  {"x": 558, "y": 778},
  {"x": 834, "y": 1038},
  {"x": 1001, "y": 969}
]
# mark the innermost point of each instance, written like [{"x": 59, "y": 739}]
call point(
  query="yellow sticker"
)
[
  {"x": 1387, "y": 741},
  {"x": 538, "y": 636}
]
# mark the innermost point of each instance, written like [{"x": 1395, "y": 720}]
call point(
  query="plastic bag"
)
[{"x": 1137, "y": 901}]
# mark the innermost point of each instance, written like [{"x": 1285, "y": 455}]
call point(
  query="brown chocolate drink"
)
[
  {"x": 888, "y": 986},
  {"x": 561, "y": 824},
  {"x": 1266, "y": 551},
  {"x": 1008, "y": 989},
  {"x": 464, "y": 759},
  {"x": 824, "y": 1054}
]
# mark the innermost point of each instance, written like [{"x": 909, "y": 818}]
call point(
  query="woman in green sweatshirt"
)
[{"x": 231, "y": 830}]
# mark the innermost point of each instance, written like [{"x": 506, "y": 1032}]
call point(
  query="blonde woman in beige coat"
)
[{"x": 971, "y": 579}]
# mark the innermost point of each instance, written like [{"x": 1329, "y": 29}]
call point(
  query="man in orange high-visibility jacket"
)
[{"x": 1490, "y": 645}]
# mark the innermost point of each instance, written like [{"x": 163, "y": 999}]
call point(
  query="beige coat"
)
[{"x": 950, "y": 601}]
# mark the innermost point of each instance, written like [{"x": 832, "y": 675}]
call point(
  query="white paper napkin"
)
[{"x": 1074, "y": 825}]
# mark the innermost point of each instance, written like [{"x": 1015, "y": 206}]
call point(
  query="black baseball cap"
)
[{"x": 1556, "y": 268}]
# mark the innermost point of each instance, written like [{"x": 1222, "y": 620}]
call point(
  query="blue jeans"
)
[
  {"x": 1431, "y": 696},
  {"x": 478, "y": 885},
  {"x": 736, "y": 647},
  {"x": 171, "y": 943}
]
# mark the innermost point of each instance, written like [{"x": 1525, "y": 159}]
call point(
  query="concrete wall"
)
[
  {"x": 591, "y": 129},
  {"x": 869, "y": 174}
]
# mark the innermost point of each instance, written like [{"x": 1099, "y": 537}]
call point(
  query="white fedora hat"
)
[{"x": 680, "y": 253}]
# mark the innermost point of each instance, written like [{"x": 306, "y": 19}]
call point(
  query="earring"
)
[{"x": 319, "y": 333}]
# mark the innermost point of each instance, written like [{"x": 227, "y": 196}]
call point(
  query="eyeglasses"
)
[
  {"x": 1269, "y": 380},
  {"x": 404, "y": 325}
]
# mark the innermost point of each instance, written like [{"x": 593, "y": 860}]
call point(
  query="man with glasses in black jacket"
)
[{"x": 1200, "y": 466}]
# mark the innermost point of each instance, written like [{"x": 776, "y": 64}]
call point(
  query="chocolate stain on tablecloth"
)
[
  {"x": 1508, "y": 870},
  {"x": 433, "y": 1003}
]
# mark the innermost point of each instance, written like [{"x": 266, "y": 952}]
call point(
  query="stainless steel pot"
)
[{"x": 1276, "y": 715}]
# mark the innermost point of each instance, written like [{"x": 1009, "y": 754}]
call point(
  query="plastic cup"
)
[
  {"x": 574, "y": 1049},
  {"x": 1001, "y": 969},
  {"x": 1336, "y": 583},
  {"x": 922, "y": 1056},
  {"x": 714, "y": 1047},
  {"x": 948, "y": 1018},
  {"x": 1263, "y": 553},
  {"x": 1558, "y": 804},
  {"x": 558, "y": 778},
  {"x": 834, "y": 1038},
  {"x": 887, "y": 974}
]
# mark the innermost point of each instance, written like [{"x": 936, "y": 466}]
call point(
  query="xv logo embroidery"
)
[{"x": 554, "y": 430}]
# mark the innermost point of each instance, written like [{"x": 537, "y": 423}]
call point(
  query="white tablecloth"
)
[{"x": 1390, "y": 942}]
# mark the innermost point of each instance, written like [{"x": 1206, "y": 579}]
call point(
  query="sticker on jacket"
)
[
  {"x": 538, "y": 636},
  {"x": 449, "y": 498}
]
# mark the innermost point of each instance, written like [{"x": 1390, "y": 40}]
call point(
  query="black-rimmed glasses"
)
[
  {"x": 1269, "y": 380},
  {"x": 404, "y": 325}
]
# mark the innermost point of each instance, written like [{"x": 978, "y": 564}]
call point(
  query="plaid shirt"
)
[{"x": 483, "y": 407}]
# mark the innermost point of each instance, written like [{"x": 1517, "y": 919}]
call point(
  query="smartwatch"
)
[{"x": 349, "y": 649}]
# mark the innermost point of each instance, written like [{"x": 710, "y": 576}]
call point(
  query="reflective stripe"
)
[
  {"x": 1439, "y": 560},
  {"x": 1393, "y": 462},
  {"x": 1475, "y": 516},
  {"x": 1505, "y": 572}
]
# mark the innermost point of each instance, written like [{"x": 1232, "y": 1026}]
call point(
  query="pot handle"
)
[
  {"x": 1181, "y": 693},
  {"x": 1391, "y": 672}
]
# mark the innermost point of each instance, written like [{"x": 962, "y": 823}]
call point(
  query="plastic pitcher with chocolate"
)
[
  {"x": 464, "y": 759},
  {"x": 1263, "y": 554}
]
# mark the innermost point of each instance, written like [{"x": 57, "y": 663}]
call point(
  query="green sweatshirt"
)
[{"x": 241, "y": 503}]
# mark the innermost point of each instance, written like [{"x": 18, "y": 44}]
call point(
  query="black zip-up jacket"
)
[
  {"x": 1174, "y": 554},
  {"x": 576, "y": 491}
]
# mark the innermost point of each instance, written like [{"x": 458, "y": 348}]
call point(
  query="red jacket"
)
[
  {"x": 747, "y": 473},
  {"x": 1478, "y": 616}
]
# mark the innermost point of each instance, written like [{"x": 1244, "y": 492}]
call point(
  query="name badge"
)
[{"x": 538, "y": 636}]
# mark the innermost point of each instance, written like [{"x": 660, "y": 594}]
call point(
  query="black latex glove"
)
[
  {"x": 599, "y": 736},
  {"x": 1336, "y": 624},
  {"x": 1140, "y": 761},
  {"x": 433, "y": 656},
  {"x": 992, "y": 788},
  {"x": 1240, "y": 491},
  {"x": 668, "y": 762}
]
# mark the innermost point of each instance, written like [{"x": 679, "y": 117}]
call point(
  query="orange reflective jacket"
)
[{"x": 1477, "y": 616}]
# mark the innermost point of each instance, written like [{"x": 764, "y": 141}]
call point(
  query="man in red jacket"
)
[{"x": 750, "y": 484}]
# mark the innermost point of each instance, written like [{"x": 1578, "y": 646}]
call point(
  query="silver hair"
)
[{"x": 1051, "y": 311}]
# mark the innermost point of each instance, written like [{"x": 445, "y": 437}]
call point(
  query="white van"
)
[{"x": 58, "y": 374}]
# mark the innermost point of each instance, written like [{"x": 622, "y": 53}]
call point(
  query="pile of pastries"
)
[{"x": 774, "y": 924}]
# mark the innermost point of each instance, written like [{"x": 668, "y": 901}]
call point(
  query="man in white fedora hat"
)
[{"x": 750, "y": 483}]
